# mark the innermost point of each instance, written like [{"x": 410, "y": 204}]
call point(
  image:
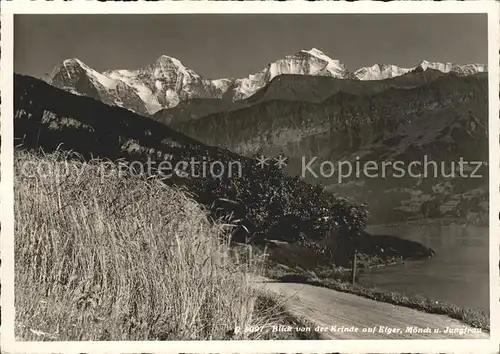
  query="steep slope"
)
[
  {"x": 375, "y": 112},
  {"x": 444, "y": 120},
  {"x": 265, "y": 202}
]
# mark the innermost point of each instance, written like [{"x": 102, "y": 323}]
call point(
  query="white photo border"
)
[{"x": 8, "y": 342}]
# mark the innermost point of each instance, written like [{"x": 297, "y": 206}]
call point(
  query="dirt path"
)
[{"x": 325, "y": 307}]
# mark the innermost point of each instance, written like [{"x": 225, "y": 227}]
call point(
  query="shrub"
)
[{"x": 268, "y": 196}]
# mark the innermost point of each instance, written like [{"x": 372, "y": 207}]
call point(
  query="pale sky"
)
[{"x": 236, "y": 45}]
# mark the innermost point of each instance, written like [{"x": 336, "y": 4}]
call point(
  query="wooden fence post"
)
[{"x": 354, "y": 266}]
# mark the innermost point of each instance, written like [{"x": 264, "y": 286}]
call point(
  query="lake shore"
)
[
  {"x": 461, "y": 264},
  {"x": 339, "y": 278}
]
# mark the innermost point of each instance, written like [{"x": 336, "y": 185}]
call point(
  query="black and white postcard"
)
[{"x": 250, "y": 177}]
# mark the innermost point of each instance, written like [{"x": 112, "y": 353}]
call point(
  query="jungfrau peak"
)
[
  {"x": 324, "y": 65},
  {"x": 311, "y": 62}
]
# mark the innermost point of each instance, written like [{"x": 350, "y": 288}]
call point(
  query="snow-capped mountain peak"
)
[
  {"x": 467, "y": 69},
  {"x": 314, "y": 51},
  {"x": 70, "y": 72},
  {"x": 170, "y": 68},
  {"x": 165, "y": 60},
  {"x": 334, "y": 67},
  {"x": 380, "y": 72},
  {"x": 443, "y": 67},
  {"x": 318, "y": 54},
  {"x": 73, "y": 61},
  {"x": 311, "y": 62}
]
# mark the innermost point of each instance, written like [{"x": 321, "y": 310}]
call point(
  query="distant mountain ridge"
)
[
  {"x": 443, "y": 117},
  {"x": 295, "y": 88},
  {"x": 167, "y": 82},
  {"x": 382, "y": 71}
]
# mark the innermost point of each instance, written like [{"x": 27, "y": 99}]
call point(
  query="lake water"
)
[{"x": 458, "y": 273}]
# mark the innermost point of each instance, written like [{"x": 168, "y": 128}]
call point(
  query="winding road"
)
[{"x": 371, "y": 319}]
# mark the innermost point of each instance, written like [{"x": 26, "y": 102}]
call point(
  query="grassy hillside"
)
[{"x": 103, "y": 257}]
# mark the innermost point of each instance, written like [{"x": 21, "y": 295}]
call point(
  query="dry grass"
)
[{"x": 123, "y": 259}]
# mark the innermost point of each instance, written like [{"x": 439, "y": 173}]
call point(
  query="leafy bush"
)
[{"x": 274, "y": 202}]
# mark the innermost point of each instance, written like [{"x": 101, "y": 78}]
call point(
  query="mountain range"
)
[
  {"x": 310, "y": 106},
  {"x": 167, "y": 83}
]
